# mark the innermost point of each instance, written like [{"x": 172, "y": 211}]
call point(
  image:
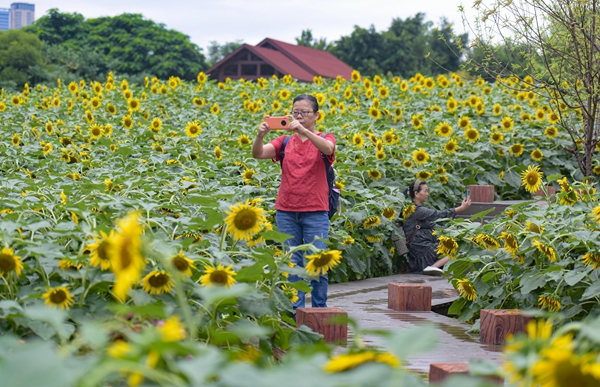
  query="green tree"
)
[
  {"x": 408, "y": 46},
  {"x": 130, "y": 43},
  {"x": 556, "y": 43},
  {"x": 20, "y": 54},
  {"x": 306, "y": 39},
  {"x": 217, "y": 51},
  {"x": 363, "y": 50}
]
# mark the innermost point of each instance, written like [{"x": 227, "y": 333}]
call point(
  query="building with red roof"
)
[{"x": 272, "y": 57}]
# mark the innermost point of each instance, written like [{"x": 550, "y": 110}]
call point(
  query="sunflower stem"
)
[
  {"x": 185, "y": 307},
  {"x": 223, "y": 236}
]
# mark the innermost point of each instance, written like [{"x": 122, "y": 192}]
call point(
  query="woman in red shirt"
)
[{"x": 302, "y": 201}]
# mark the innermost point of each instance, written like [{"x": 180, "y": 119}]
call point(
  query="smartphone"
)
[
  {"x": 468, "y": 193},
  {"x": 278, "y": 123}
]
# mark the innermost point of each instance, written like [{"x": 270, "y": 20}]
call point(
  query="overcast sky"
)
[{"x": 253, "y": 20}]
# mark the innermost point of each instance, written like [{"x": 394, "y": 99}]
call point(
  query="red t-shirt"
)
[{"x": 303, "y": 177}]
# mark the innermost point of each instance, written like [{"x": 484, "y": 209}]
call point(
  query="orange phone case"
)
[{"x": 278, "y": 123}]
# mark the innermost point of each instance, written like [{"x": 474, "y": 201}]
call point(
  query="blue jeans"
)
[{"x": 305, "y": 226}]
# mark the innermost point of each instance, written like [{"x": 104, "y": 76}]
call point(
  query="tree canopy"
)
[
  {"x": 20, "y": 54},
  {"x": 133, "y": 45},
  {"x": 408, "y": 46}
]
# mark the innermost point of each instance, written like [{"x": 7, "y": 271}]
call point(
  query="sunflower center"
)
[
  {"x": 245, "y": 219},
  {"x": 125, "y": 256},
  {"x": 58, "y": 296},
  {"x": 7, "y": 262},
  {"x": 219, "y": 277},
  {"x": 103, "y": 250},
  {"x": 532, "y": 178},
  {"x": 322, "y": 261},
  {"x": 158, "y": 280},
  {"x": 180, "y": 264}
]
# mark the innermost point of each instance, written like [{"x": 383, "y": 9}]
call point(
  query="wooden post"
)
[
  {"x": 409, "y": 297},
  {"x": 317, "y": 319},
  {"x": 438, "y": 372},
  {"x": 495, "y": 324},
  {"x": 482, "y": 193}
]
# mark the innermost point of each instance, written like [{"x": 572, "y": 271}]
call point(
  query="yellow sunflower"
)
[
  {"x": 466, "y": 289},
  {"x": 99, "y": 250},
  {"x": 464, "y": 122},
  {"x": 133, "y": 104},
  {"x": 375, "y": 113},
  {"x": 550, "y": 301},
  {"x": 220, "y": 276},
  {"x": 158, "y": 282},
  {"x": 193, "y": 129},
  {"x": 451, "y": 104},
  {"x": 537, "y": 155},
  {"x": 423, "y": 175},
  {"x": 9, "y": 262},
  {"x": 380, "y": 155},
  {"x": 416, "y": 121},
  {"x": 59, "y": 297},
  {"x": 124, "y": 252},
  {"x": 497, "y": 109},
  {"x": 532, "y": 178},
  {"x": 374, "y": 174},
  {"x": 244, "y": 140},
  {"x": 182, "y": 264},
  {"x": 372, "y": 222},
  {"x": 447, "y": 246},
  {"x": 487, "y": 241},
  {"x": 350, "y": 361},
  {"x": 244, "y": 220},
  {"x": 551, "y": 131},
  {"x": 510, "y": 242},
  {"x": 322, "y": 262},
  {"x": 172, "y": 329},
  {"x": 507, "y": 123},
  {"x": 96, "y": 132},
  {"x": 214, "y": 109},
  {"x": 451, "y": 146},
  {"x": 389, "y": 213},
  {"x": 548, "y": 251},
  {"x": 156, "y": 125},
  {"x": 443, "y": 129},
  {"x": 471, "y": 134},
  {"x": 408, "y": 211},
  {"x": 517, "y": 149},
  {"x": 127, "y": 122},
  {"x": 358, "y": 140},
  {"x": 590, "y": 259},
  {"x": 16, "y": 140},
  {"x": 420, "y": 156},
  {"x": 596, "y": 214}
]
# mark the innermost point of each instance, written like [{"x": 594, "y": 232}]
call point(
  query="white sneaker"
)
[{"x": 435, "y": 271}]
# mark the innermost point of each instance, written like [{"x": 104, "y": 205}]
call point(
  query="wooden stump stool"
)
[
  {"x": 409, "y": 297},
  {"x": 438, "y": 372},
  {"x": 495, "y": 324},
  {"x": 482, "y": 193},
  {"x": 317, "y": 319}
]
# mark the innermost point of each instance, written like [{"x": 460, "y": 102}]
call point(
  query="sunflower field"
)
[{"x": 135, "y": 222}]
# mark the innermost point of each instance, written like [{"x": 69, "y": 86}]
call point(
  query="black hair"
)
[
  {"x": 413, "y": 188},
  {"x": 309, "y": 98}
]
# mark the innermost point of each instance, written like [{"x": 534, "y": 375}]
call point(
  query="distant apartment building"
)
[
  {"x": 21, "y": 15},
  {"x": 4, "y": 17}
]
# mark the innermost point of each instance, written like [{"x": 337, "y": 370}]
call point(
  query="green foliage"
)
[
  {"x": 549, "y": 258},
  {"x": 128, "y": 44},
  {"x": 307, "y": 39},
  {"x": 555, "y": 44},
  {"x": 217, "y": 51},
  {"x": 407, "y": 47},
  {"x": 20, "y": 53}
]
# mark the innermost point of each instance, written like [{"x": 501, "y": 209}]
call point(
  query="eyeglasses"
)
[{"x": 302, "y": 113}]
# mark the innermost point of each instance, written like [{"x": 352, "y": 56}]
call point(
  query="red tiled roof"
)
[
  {"x": 282, "y": 63},
  {"x": 320, "y": 62},
  {"x": 302, "y": 63}
]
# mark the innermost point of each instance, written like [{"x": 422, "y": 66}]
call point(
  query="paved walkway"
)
[{"x": 366, "y": 302}]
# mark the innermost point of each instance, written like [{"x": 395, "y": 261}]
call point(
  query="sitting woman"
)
[{"x": 418, "y": 228}]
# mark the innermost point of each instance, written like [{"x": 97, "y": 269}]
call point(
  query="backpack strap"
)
[
  {"x": 325, "y": 159},
  {"x": 282, "y": 151}
]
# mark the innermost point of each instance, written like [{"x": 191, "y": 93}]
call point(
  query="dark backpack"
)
[{"x": 334, "y": 193}]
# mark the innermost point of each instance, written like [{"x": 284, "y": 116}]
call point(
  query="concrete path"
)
[{"x": 366, "y": 302}]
